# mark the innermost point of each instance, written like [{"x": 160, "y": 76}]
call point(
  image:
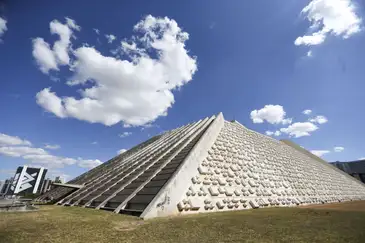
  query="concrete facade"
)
[
  {"x": 46, "y": 186},
  {"x": 2, "y": 183},
  {"x": 6, "y": 186},
  {"x": 206, "y": 166}
]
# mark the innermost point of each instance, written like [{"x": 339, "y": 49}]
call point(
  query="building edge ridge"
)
[{"x": 173, "y": 191}]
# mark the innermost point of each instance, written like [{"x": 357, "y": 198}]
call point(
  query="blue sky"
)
[{"x": 71, "y": 97}]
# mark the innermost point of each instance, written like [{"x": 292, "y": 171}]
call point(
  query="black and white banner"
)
[{"x": 27, "y": 180}]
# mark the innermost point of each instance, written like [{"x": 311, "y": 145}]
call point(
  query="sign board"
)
[{"x": 27, "y": 180}]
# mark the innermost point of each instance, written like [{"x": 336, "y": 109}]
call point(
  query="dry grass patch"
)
[{"x": 73, "y": 224}]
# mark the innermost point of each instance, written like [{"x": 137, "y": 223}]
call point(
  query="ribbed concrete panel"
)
[
  {"x": 119, "y": 170},
  {"x": 144, "y": 196},
  {"x": 90, "y": 176},
  {"x": 142, "y": 175},
  {"x": 206, "y": 166},
  {"x": 120, "y": 181}
]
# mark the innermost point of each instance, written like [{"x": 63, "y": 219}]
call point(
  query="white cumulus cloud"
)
[
  {"x": 88, "y": 163},
  {"x": 52, "y": 146},
  {"x": 273, "y": 114},
  {"x": 338, "y": 149},
  {"x": 329, "y": 17},
  {"x": 12, "y": 140},
  {"x": 287, "y": 121},
  {"x": 50, "y": 102},
  {"x": 299, "y": 129},
  {"x": 277, "y": 133},
  {"x": 319, "y": 119},
  {"x": 72, "y": 24},
  {"x": 110, "y": 38},
  {"x": 3, "y": 27},
  {"x": 125, "y": 134},
  {"x": 61, "y": 47},
  {"x": 21, "y": 151},
  {"x": 50, "y": 59},
  {"x": 315, "y": 39},
  {"x": 17, "y": 147},
  {"x": 44, "y": 56},
  {"x": 135, "y": 90},
  {"x": 97, "y": 31},
  {"x": 49, "y": 160},
  {"x": 270, "y": 133},
  {"x": 121, "y": 151},
  {"x": 320, "y": 153},
  {"x": 307, "y": 112}
]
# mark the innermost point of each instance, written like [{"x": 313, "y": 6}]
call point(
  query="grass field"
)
[{"x": 343, "y": 222}]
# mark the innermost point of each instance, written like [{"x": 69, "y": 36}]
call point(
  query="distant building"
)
[
  {"x": 1, "y": 186},
  {"x": 6, "y": 186},
  {"x": 58, "y": 179},
  {"x": 27, "y": 181},
  {"x": 354, "y": 168}
]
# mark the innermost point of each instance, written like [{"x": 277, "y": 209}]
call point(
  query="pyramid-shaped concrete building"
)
[{"x": 206, "y": 166}]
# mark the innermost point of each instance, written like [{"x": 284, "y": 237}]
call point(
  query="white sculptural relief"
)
[{"x": 245, "y": 169}]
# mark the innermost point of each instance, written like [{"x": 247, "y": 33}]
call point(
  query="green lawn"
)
[{"x": 341, "y": 223}]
